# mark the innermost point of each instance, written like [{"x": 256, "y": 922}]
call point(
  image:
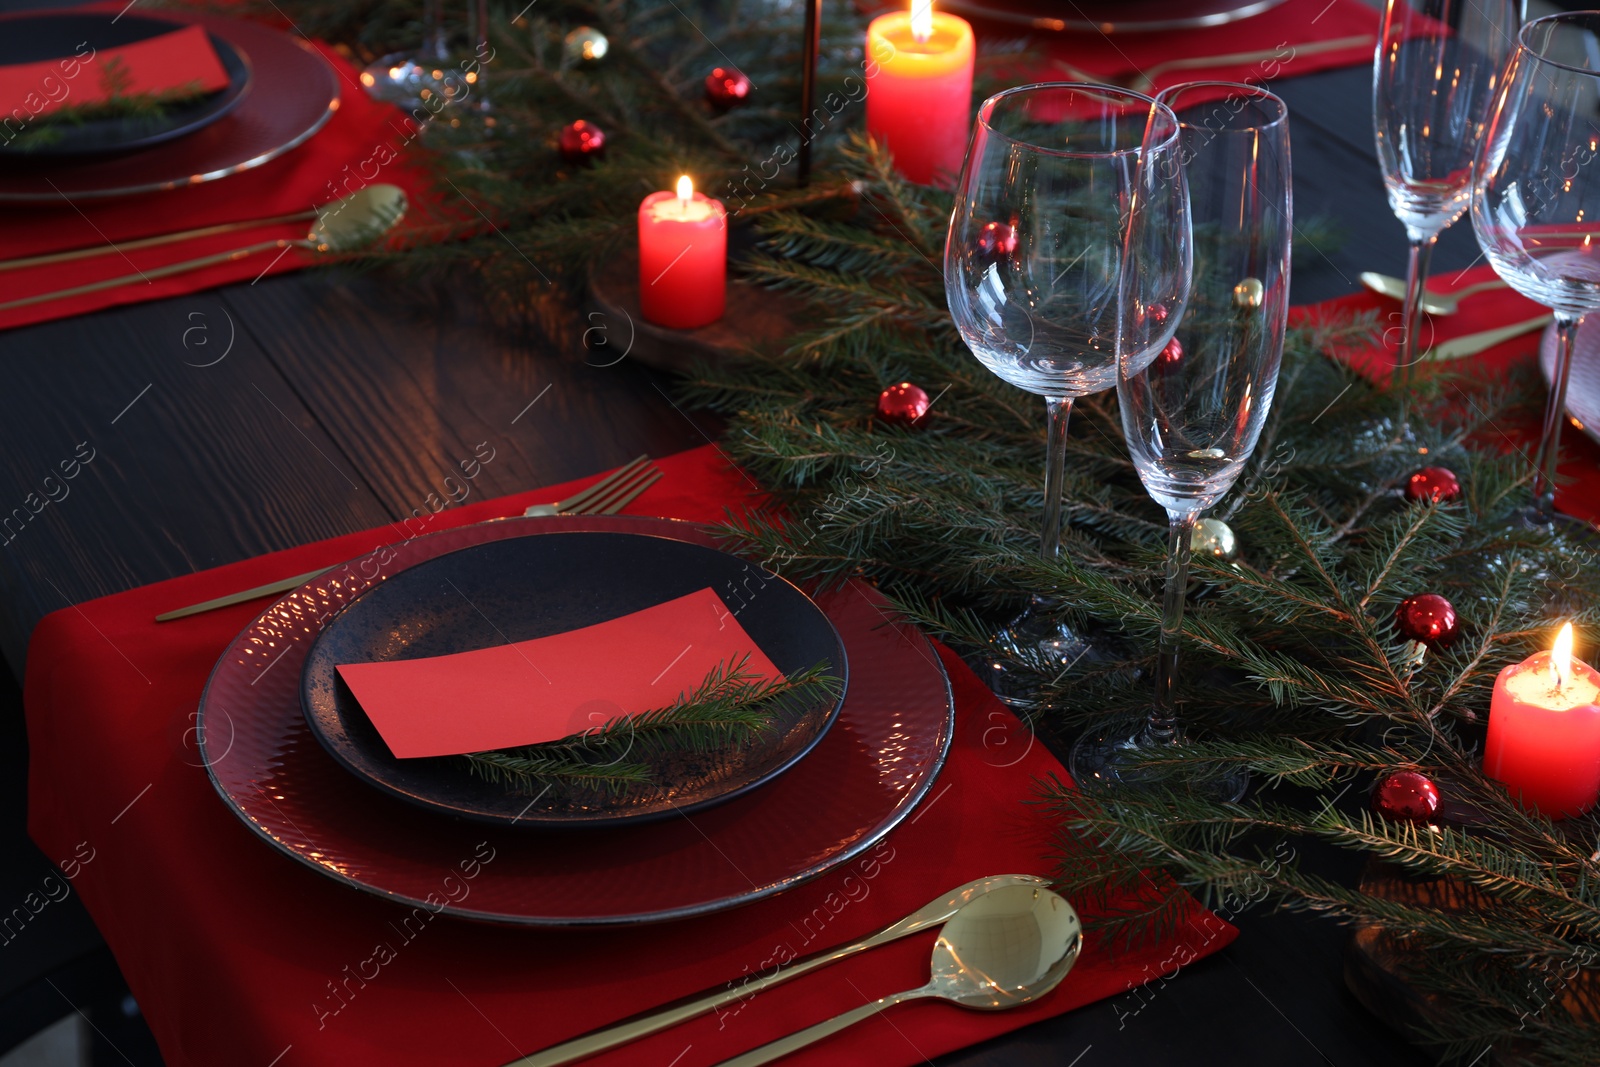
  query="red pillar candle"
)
[
  {"x": 683, "y": 258},
  {"x": 1544, "y": 731},
  {"x": 919, "y": 90}
]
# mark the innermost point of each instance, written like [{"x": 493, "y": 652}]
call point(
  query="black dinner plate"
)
[
  {"x": 37, "y": 38},
  {"x": 528, "y": 587}
]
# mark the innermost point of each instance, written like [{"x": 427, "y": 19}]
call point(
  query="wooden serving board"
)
[{"x": 757, "y": 319}]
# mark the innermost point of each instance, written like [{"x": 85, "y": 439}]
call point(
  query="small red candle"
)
[
  {"x": 1544, "y": 731},
  {"x": 683, "y": 258},
  {"x": 919, "y": 90}
]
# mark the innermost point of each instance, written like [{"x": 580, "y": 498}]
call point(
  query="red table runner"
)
[
  {"x": 1296, "y": 37},
  {"x": 239, "y": 955},
  {"x": 1578, "y": 483}
]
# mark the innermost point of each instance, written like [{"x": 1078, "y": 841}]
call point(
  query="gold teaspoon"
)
[{"x": 1004, "y": 949}]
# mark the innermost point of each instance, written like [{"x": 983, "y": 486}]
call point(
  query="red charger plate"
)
[{"x": 868, "y": 772}]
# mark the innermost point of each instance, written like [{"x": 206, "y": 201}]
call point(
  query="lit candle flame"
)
[
  {"x": 1561, "y": 658},
  {"x": 685, "y": 190},
  {"x": 921, "y": 19}
]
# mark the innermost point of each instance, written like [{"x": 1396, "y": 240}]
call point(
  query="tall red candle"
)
[
  {"x": 683, "y": 258},
  {"x": 919, "y": 90},
  {"x": 1544, "y": 731}
]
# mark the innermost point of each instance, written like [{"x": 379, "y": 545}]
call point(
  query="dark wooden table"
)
[{"x": 256, "y": 417}]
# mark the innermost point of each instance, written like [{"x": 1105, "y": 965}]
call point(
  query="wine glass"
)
[
  {"x": 1067, "y": 256},
  {"x": 1192, "y": 417},
  {"x": 1536, "y": 196},
  {"x": 411, "y": 79},
  {"x": 1434, "y": 73}
]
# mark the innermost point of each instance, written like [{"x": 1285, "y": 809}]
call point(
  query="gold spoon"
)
[
  {"x": 342, "y": 226},
  {"x": 1002, "y": 950},
  {"x": 924, "y": 918},
  {"x": 1432, "y": 303}
]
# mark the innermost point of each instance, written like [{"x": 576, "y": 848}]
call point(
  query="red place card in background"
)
[{"x": 169, "y": 61}]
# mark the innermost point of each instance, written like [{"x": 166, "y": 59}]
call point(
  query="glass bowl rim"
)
[
  {"x": 987, "y": 107},
  {"x": 1559, "y": 16},
  {"x": 1244, "y": 89}
]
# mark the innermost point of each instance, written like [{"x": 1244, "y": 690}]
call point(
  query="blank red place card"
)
[
  {"x": 174, "y": 60},
  {"x": 552, "y": 687}
]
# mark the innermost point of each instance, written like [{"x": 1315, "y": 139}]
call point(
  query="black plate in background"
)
[
  {"x": 38, "y": 38},
  {"x": 547, "y": 583}
]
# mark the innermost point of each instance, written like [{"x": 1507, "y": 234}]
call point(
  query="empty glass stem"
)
[
  {"x": 1544, "y": 477},
  {"x": 1162, "y": 726},
  {"x": 433, "y": 37},
  {"x": 1055, "y": 469},
  {"x": 1416, "y": 283}
]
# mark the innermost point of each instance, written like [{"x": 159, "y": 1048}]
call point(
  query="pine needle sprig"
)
[{"x": 731, "y": 706}]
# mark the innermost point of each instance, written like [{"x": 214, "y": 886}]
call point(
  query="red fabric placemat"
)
[
  {"x": 363, "y": 143},
  {"x": 1296, "y": 37},
  {"x": 239, "y": 955},
  {"x": 1578, "y": 481}
]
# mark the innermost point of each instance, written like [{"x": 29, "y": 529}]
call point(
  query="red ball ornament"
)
[
  {"x": 1429, "y": 618},
  {"x": 1157, "y": 313},
  {"x": 1406, "y": 796},
  {"x": 726, "y": 88},
  {"x": 995, "y": 241},
  {"x": 1172, "y": 353},
  {"x": 1436, "y": 484},
  {"x": 582, "y": 142},
  {"x": 903, "y": 404}
]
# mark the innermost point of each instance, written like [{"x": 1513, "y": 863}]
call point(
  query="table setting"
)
[{"x": 853, "y": 732}]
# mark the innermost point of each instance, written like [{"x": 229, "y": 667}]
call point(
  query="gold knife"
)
[
  {"x": 1473, "y": 343},
  {"x": 284, "y": 585}
]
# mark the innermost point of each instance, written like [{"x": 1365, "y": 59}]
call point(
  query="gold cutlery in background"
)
[
  {"x": 1433, "y": 303},
  {"x": 606, "y": 497},
  {"x": 366, "y": 216},
  {"x": 326, "y": 210},
  {"x": 1145, "y": 80},
  {"x": 1473, "y": 343},
  {"x": 930, "y": 915}
]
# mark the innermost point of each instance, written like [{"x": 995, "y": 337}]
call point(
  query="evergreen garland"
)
[{"x": 1292, "y": 667}]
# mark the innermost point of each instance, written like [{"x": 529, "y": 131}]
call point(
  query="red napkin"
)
[
  {"x": 552, "y": 687},
  {"x": 169, "y": 61},
  {"x": 1578, "y": 491},
  {"x": 237, "y": 954},
  {"x": 356, "y": 147},
  {"x": 1296, "y": 37}
]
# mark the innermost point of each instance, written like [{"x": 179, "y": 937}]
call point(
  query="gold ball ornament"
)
[
  {"x": 1249, "y": 293},
  {"x": 585, "y": 46},
  {"x": 1213, "y": 537}
]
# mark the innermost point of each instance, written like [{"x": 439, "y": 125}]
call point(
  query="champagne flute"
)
[
  {"x": 1192, "y": 417},
  {"x": 1536, "y": 196},
  {"x": 1070, "y": 226},
  {"x": 1435, "y": 70}
]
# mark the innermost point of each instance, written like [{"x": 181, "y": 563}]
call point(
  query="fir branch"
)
[{"x": 732, "y": 705}]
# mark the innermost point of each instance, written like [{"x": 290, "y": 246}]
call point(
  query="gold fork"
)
[{"x": 606, "y": 497}]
